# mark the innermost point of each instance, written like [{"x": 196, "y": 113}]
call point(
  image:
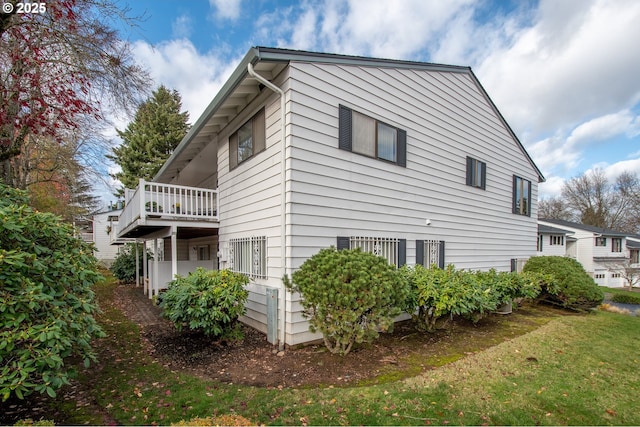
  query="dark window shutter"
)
[
  {"x": 529, "y": 199},
  {"x": 420, "y": 252},
  {"x": 513, "y": 202},
  {"x": 402, "y": 148},
  {"x": 514, "y": 264},
  {"x": 483, "y": 177},
  {"x": 259, "y": 131},
  {"x": 402, "y": 252},
  {"x": 344, "y": 131},
  {"x": 233, "y": 151},
  {"x": 441, "y": 254},
  {"x": 342, "y": 243},
  {"x": 469, "y": 171}
]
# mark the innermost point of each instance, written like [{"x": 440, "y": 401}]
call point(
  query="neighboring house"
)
[
  {"x": 106, "y": 247},
  {"x": 300, "y": 151},
  {"x": 602, "y": 252},
  {"x": 553, "y": 241}
]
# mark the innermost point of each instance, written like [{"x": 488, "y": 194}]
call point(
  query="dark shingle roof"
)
[{"x": 593, "y": 229}]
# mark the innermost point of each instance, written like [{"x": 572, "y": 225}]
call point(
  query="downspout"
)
[{"x": 283, "y": 200}]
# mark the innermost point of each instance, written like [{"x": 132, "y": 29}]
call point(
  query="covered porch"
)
[{"x": 178, "y": 224}]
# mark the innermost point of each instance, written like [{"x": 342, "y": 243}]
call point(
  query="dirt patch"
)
[{"x": 404, "y": 352}]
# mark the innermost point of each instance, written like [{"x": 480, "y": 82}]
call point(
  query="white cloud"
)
[
  {"x": 603, "y": 128},
  {"x": 178, "y": 65},
  {"x": 226, "y": 9},
  {"x": 614, "y": 170},
  {"x": 552, "y": 187},
  {"x": 182, "y": 27},
  {"x": 553, "y": 155},
  {"x": 398, "y": 29},
  {"x": 574, "y": 62}
]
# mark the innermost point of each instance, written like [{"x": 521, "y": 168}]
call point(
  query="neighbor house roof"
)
[
  {"x": 591, "y": 228},
  {"x": 552, "y": 230},
  {"x": 240, "y": 89}
]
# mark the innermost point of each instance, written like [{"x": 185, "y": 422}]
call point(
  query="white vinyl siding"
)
[
  {"x": 446, "y": 119},
  {"x": 549, "y": 249},
  {"x": 250, "y": 200}
]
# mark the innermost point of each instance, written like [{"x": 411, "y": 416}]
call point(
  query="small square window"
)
[
  {"x": 601, "y": 241},
  {"x": 476, "y": 173}
]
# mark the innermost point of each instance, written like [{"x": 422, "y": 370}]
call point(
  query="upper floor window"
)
[
  {"x": 248, "y": 140},
  {"x": 616, "y": 244},
  {"x": 521, "y": 196},
  {"x": 601, "y": 241},
  {"x": 370, "y": 137},
  {"x": 476, "y": 173},
  {"x": 556, "y": 240}
]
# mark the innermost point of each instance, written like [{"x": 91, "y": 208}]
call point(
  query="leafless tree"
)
[
  {"x": 63, "y": 68},
  {"x": 598, "y": 202},
  {"x": 554, "y": 208},
  {"x": 628, "y": 271}
]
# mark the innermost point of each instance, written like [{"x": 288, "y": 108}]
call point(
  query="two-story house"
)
[
  {"x": 300, "y": 151},
  {"x": 602, "y": 252}
]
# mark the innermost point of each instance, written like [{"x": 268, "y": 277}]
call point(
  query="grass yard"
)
[{"x": 574, "y": 369}]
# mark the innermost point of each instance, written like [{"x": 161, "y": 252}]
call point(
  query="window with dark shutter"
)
[
  {"x": 393, "y": 250},
  {"x": 430, "y": 252},
  {"x": 370, "y": 137},
  {"x": 248, "y": 140}
]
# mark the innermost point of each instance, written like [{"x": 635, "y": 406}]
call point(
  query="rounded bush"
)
[
  {"x": 124, "y": 266},
  {"x": 47, "y": 309},
  {"x": 349, "y": 296},
  {"x": 626, "y": 298},
  {"x": 574, "y": 289},
  {"x": 209, "y": 301}
]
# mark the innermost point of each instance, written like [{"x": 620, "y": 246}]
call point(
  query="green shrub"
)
[
  {"x": 46, "y": 314},
  {"x": 437, "y": 293},
  {"x": 573, "y": 288},
  {"x": 348, "y": 296},
  {"x": 626, "y": 298},
  {"x": 124, "y": 266},
  {"x": 209, "y": 301}
]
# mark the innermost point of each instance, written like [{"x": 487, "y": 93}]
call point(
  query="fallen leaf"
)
[{"x": 611, "y": 412}]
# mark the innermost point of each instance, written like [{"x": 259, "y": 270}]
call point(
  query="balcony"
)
[{"x": 153, "y": 205}]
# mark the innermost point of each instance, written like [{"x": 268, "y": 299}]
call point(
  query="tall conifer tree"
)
[{"x": 149, "y": 140}]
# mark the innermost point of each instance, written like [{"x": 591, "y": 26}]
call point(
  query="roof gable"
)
[{"x": 240, "y": 89}]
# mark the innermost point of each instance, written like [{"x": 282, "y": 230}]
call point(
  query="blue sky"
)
[{"x": 565, "y": 74}]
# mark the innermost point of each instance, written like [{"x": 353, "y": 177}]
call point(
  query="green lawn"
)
[{"x": 576, "y": 369}]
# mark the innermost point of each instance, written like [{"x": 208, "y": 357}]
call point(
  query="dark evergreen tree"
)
[{"x": 149, "y": 140}]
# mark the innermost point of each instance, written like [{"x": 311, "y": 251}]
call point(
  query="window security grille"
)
[
  {"x": 248, "y": 256},
  {"x": 380, "y": 246},
  {"x": 432, "y": 253}
]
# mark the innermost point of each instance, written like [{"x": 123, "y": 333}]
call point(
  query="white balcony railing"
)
[{"x": 152, "y": 200}]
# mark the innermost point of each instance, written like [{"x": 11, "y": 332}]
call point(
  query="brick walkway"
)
[{"x": 138, "y": 307}]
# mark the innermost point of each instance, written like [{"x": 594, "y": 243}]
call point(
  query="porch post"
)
[
  {"x": 156, "y": 279},
  {"x": 137, "y": 264},
  {"x": 174, "y": 251},
  {"x": 145, "y": 272}
]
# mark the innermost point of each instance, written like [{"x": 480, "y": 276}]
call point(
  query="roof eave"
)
[{"x": 232, "y": 82}]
